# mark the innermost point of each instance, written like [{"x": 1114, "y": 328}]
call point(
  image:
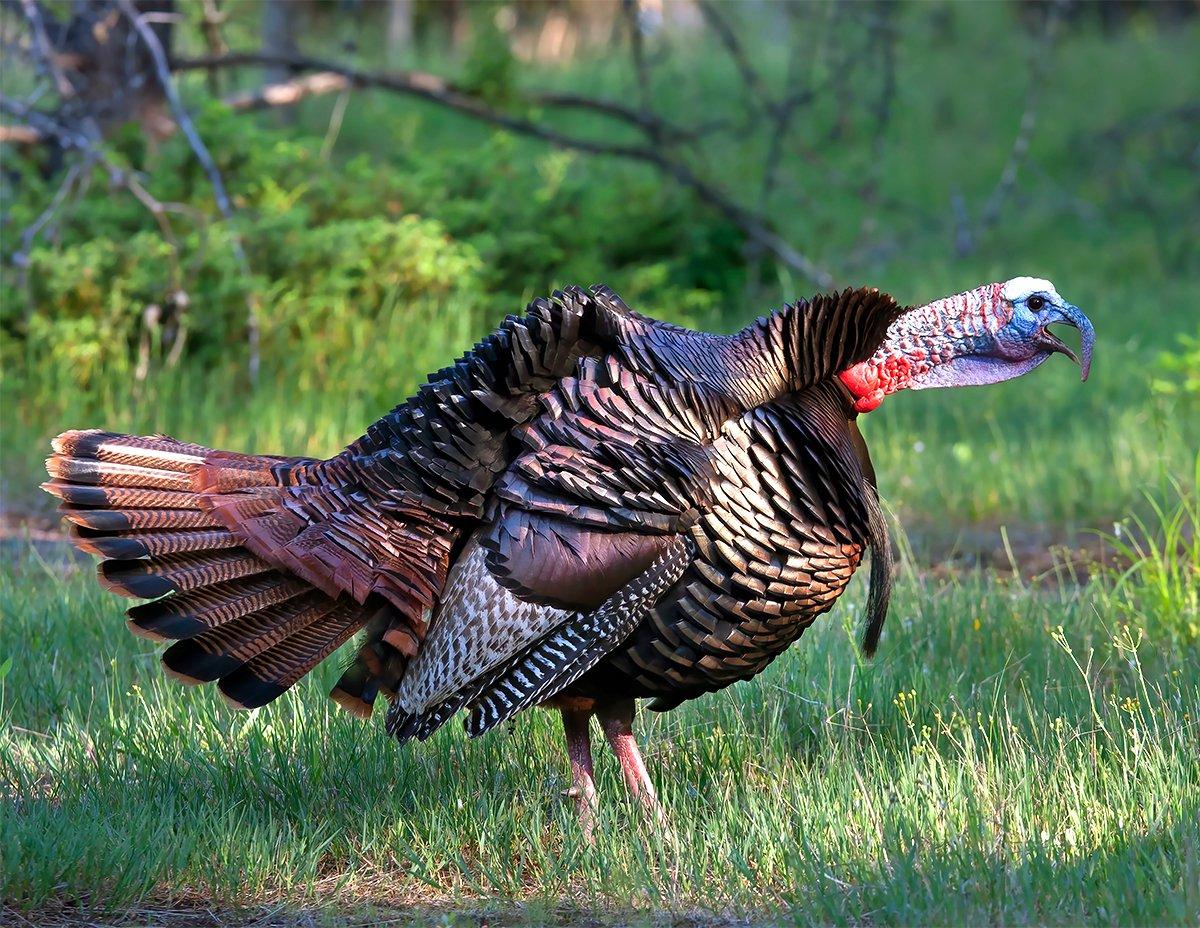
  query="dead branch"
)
[
  {"x": 728, "y": 38},
  {"x": 288, "y": 93},
  {"x": 162, "y": 72},
  {"x": 641, "y": 69},
  {"x": 434, "y": 89},
  {"x": 1007, "y": 183},
  {"x": 45, "y": 124},
  {"x": 883, "y": 37},
  {"x": 418, "y": 84},
  {"x": 72, "y": 184},
  {"x": 20, "y": 135},
  {"x": 626, "y": 114},
  {"x": 1137, "y": 127},
  {"x": 95, "y": 93},
  {"x": 781, "y": 114},
  {"x": 408, "y": 81},
  {"x": 211, "y": 20},
  {"x": 31, "y": 232},
  {"x": 46, "y": 57}
]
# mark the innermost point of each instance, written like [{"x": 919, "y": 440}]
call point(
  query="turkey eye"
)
[{"x": 1035, "y": 303}]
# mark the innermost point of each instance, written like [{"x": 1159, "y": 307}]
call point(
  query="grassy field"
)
[
  {"x": 1022, "y": 751},
  {"x": 1024, "y": 755}
]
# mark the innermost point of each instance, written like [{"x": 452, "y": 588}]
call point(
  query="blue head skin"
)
[{"x": 1026, "y": 341}]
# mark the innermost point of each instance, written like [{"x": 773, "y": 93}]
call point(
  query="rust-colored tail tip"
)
[{"x": 66, "y": 442}]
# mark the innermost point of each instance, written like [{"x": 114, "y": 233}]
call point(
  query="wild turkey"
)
[{"x": 589, "y": 508}]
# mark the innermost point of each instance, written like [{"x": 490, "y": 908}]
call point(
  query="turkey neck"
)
[
  {"x": 796, "y": 347},
  {"x": 920, "y": 340}
]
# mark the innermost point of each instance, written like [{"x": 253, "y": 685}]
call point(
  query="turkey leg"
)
[
  {"x": 617, "y": 721},
  {"x": 579, "y": 751}
]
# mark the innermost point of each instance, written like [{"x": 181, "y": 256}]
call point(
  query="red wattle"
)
[
  {"x": 869, "y": 403},
  {"x": 862, "y": 379},
  {"x": 870, "y": 381}
]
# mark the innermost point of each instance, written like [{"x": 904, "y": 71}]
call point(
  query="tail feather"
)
[
  {"x": 208, "y": 608},
  {"x": 165, "y": 515},
  {"x": 103, "y": 473},
  {"x": 272, "y": 673},
  {"x": 132, "y": 520},
  {"x": 78, "y": 494},
  {"x": 168, "y": 453},
  {"x": 178, "y": 573},
  {"x": 223, "y": 650},
  {"x": 152, "y": 544}
]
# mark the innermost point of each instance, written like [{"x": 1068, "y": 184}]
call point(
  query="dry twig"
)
[
  {"x": 200, "y": 150},
  {"x": 288, "y": 93}
]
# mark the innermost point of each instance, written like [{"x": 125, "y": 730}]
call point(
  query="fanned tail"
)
[{"x": 149, "y": 507}]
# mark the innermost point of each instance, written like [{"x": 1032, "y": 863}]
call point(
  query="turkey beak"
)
[{"x": 1073, "y": 316}]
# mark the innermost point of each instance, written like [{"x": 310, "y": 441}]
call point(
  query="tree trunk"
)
[
  {"x": 399, "y": 30},
  {"x": 279, "y": 38}
]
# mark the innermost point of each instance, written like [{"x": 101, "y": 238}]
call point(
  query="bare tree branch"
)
[
  {"x": 29, "y": 235},
  {"x": 31, "y": 232},
  {"x": 626, "y": 114},
  {"x": 408, "y": 81},
  {"x": 1020, "y": 148},
  {"x": 781, "y": 119},
  {"x": 211, "y": 20},
  {"x": 882, "y": 34},
  {"x": 288, "y": 93},
  {"x": 46, "y": 57},
  {"x": 45, "y": 124},
  {"x": 641, "y": 70},
  {"x": 162, "y": 71},
  {"x": 733, "y": 46},
  {"x": 20, "y": 135},
  {"x": 435, "y": 89}
]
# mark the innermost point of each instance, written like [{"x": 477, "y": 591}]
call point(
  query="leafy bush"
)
[{"x": 331, "y": 246}]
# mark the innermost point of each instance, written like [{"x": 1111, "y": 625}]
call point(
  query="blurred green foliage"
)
[
  {"x": 331, "y": 244},
  {"x": 1179, "y": 370}
]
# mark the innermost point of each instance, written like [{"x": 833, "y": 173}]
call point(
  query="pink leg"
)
[
  {"x": 579, "y": 750},
  {"x": 617, "y": 722}
]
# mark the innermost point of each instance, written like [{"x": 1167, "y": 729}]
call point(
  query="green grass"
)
[{"x": 1016, "y": 754}]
